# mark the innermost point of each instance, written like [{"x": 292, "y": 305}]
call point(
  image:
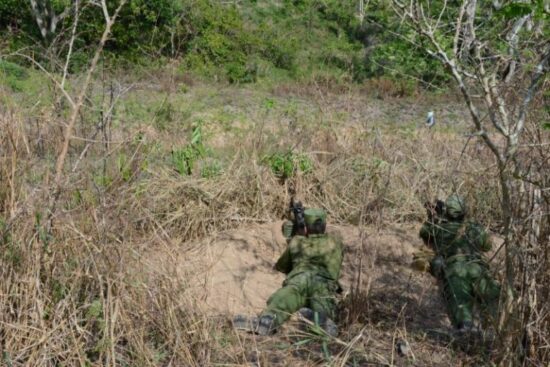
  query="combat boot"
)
[
  {"x": 323, "y": 320},
  {"x": 266, "y": 325},
  {"x": 241, "y": 322},
  {"x": 330, "y": 327}
]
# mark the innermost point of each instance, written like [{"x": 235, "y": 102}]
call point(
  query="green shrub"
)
[
  {"x": 211, "y": 168},
  {"x": 124, "y": 167},
  {"x": 18, "y": 17},
  {"x": 102, "y": 180},
  {"x": 13, "y": 70},
  {"x": 13, "y": 75},
  {"x": 223, "y": 43},
  {"x": 237, "y": 43},
  {"x": 184, "y": 159},
  {"x": 394, "y": 50},
  {"x": 285, "y": 165},
  {"x": 237, "y": 72}
]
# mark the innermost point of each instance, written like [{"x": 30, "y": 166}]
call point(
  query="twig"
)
[{"x": 76, "y": 109}]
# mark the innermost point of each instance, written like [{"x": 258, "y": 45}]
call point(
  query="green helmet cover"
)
[
  {"x": 312, "y": 214},
  {"x": 455, "y": 206}
]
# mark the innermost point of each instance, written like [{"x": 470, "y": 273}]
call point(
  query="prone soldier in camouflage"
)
[
  {"x": 312, "y": 262},
  {"x": 458, "y": 262}
]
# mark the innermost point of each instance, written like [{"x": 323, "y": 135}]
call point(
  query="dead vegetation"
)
[{"x": 78, "y": 291}]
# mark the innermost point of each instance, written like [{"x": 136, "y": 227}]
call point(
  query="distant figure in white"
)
[{"x": 430, "y": 120}]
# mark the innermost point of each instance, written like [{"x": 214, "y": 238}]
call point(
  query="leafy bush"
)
[
  {"x": 124, "y": 167},
  {"x": 18, "y": 19},
  {"x": 239, "y": 43},
  {"x": 393, "y": 50},
  {"x": 13, "y": 74},
  {"x": 184, "y": 159},
  {"x": 222, "y": 42},
  {"x": 285, "y": 165},
  {"x": 12, "y": 70}
]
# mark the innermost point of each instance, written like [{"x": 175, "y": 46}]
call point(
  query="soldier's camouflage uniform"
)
[
  {"x": 312, "y": 265},
  {"x": 460, "y": 266}
]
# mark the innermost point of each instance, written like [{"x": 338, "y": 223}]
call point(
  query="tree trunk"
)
[
  {"x": 508, "y": 309},
  {"x": 45, "y": 17},
  {"x": 467, "y": 29}
]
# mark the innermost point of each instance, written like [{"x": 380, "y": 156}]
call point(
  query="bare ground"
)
[{"x": 232, "y": 273}]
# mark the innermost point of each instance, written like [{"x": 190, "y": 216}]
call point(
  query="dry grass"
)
[{"x": 76, "y": 293}]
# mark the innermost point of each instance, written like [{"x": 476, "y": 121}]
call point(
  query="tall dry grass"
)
[{"x": 78, "y": 293}]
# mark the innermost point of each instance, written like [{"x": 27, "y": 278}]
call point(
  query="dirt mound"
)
[
  {"x": 236, "y": 273},
  {"x": 233, "y": 271}
]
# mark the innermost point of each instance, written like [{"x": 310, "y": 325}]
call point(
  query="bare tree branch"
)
[
  {"x": 103, "y": 5},
  {"x": 458, "y": 29},
  {"x": 49, "y": 75},
  {"x": 105, "y": 11},
  {"x": 512, "y": 38},
  {"x": 468, "y": 32},
  {"x": 71, "y": 43},
  {"x": 506, "y": 116},
  {"x": 484, "y": 78},
  {"x": 45, "y": 17},
  {"x": 78, "y": 105},
  {"x": 541, "y": 70}
]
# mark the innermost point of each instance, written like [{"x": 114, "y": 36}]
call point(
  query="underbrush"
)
[{"x": 75, "y": 290}]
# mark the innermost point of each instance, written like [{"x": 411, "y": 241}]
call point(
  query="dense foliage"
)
[
  {"x": 239, "y": 42},
  {"x": 246, "y": 40}
]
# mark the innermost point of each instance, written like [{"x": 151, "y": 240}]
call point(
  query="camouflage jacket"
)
[
  {"x": 456, "y": 240},
  {"x": 320, "y": 253}
]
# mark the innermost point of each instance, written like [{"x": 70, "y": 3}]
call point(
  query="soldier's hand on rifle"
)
[
  {"x": 421, "y": 260},
  {"x": 437, "y": 265},
  {"x": 430, "y": 209},
  {"x": 434, "y": 209}
]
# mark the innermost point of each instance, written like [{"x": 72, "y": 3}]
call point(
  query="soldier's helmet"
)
[
  {"x": 455, "y": 206},
  {"x": 311, "y": 215}
]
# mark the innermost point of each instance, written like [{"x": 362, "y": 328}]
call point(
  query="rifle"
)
[
  {"x": 298, "y": 221},
  {"x": 435, "y": 210}
]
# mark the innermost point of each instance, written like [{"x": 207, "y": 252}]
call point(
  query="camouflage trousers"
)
[
  {"x": 306, "y": 289},
  {"x": 467, "y": 284}
]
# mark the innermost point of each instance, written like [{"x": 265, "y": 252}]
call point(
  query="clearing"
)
[{"x": 232, "y": 273}]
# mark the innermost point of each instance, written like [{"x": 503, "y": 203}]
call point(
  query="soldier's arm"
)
[
  {"x": 480, "y": 237},
  {"x": 427, "y": 233},
  {"x": 284, "y": 264}
]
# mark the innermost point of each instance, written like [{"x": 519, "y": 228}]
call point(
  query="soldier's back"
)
[
  {"x": 322, "y": 253},
  {"x": 462, "y": 238}
]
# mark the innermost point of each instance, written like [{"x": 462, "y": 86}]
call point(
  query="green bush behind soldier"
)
[
  {"x": 312, "y": 263},
  {"x": 458, "y": 262}
]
